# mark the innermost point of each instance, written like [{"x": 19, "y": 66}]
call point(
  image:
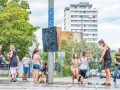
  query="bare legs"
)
[
  {"x": 108, "y": 76},
  {"x": 35, "y": 75},
  {"x": 74, "y": 74}
]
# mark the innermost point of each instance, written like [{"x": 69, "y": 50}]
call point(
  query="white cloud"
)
[
  {"x": 108, "y": 17},
  {"x": 110, "y": 33}
]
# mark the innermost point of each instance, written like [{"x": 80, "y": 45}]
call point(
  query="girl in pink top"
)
[{"x": 36, "y": 64}]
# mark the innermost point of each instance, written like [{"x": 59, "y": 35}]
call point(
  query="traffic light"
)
[{"x": 49, "y": 37}]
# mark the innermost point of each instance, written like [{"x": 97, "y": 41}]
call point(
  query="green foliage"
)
[
  {"x": 78, "y": 48},
  {"x": 44, "y": 56},
  {"x": 68, "y": 57},
  {"x": 96, "y": 52},
  {"x": 113, "y": 52},
  {"x": 15, "y": 27}
]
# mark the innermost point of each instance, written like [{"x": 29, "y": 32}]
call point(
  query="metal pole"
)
[
  {"x": 81, "y": 34},
  {"x": 50, "y": 54},
  {"x": 61, "y": 65}
]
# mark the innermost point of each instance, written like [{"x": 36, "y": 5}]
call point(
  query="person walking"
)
[
  {"x": 84, "y": 65},
  {"x": 13, "y": 62},
  {"x": 117, "y": 65},
  {"x": 74, "y": 67},
  {"x": 107, "y": 61},
  {"x": 25, "y": 62},
  {"x": 36, "y": 65}
]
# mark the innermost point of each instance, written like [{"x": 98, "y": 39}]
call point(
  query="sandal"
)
[
  {"x": 103, "y": 84},
  {"x": 108, "y": 84}
]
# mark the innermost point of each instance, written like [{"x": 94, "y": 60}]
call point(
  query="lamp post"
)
[{"x": 81, "y": 33}]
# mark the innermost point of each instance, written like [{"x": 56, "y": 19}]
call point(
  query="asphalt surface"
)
[{"x": 59, "y": 84}]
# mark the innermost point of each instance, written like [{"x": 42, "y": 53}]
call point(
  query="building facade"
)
[
  {"x": 67, "y": 36},
  {"x": 82, "y": 18}
]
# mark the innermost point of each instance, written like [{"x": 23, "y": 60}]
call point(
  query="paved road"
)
[{"x": 59, "y": 84}]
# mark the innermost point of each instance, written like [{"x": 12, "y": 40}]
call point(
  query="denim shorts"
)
[
  {"x": 36, "y": 66},
  {"x": 25, "y": 69}
]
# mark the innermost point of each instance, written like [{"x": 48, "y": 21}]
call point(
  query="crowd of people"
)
[
  {"x": 38, "y": 71},
  {"x": 79, "y": 66}
]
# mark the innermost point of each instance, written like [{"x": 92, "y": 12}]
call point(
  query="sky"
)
[{"x": 108, "y": 18}]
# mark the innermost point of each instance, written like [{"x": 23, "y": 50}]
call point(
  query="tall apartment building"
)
[{"x": 82, "y": 18}]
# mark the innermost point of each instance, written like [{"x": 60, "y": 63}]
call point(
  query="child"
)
[
  {"x": 74, "y": 67},
  {"x": 44, "y": 71},
  {"x": 25, "y": 62},
  {"x": 17, "y": 73},
  {"x": 36, "y": 64},
  {"x": 13, "y": 62},
  {"x": 84, "y": 65}
]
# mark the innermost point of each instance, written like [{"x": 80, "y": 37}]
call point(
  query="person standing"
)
[
  {"x": 25, "y": 62},
  {"x": 13, "y": 62},
  {"x": 117, "y": 65},
  {"x": 74, "y": 67},
  {"x": 84, "y": 65},
  {"x": 107, "y": 61},
  {"x": 36, "y": 65}
]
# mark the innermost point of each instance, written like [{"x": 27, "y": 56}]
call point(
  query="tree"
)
[
  {"x": 96, "y": 51},
  {"x": 67, "y": 48},
  {"x": 113, "y": 52},
  {"x": 15, "y": 27}
]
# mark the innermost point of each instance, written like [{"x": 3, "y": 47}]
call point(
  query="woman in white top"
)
[
  {"x": 36, "y": 64},
  {"x": 74, "y": 67},
  {"x": 84, "y": 65}
]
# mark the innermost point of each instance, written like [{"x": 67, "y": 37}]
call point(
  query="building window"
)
[{"x": 94, "y": 34}]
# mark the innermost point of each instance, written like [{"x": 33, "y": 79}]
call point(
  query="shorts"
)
[
  {"x": 36, "y": 66},
  {"x": 12, "y": 70},
  {"x": 74, "y": 68},
  {"x": 82, "y": 72},
  {"x": 40, "y": 73},
  {"x": 25, "y": 70},
  {"x": 107, "y": 63},
  {"x": 45, "y": 73}
]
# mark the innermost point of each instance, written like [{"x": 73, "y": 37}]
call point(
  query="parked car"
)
[
  {"x": 103, "y": 74},
  {"x": 98, "y": 74},
  {"x": 87, "y": 74},
  {"x": 118, "y": 75},
  {"x": 93, "y": 72}
]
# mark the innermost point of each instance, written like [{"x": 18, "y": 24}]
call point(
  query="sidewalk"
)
[{"x": 59, "y": 84}]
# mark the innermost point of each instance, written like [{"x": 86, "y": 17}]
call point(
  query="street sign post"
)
[{"x": 61, "y": 56}]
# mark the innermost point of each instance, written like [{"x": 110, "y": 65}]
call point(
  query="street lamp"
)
[{"x": 81, "y": 33}]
